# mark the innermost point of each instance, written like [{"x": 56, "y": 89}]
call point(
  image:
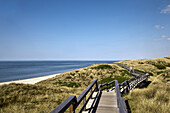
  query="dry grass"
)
[
  {"x": 44, "y": 96},
  {"x": 155, "y": 98}
]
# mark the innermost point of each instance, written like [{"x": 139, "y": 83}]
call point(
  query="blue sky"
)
[{"x": 84, "y": 29}]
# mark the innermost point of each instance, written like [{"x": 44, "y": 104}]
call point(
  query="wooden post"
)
[
  {"x": 84, "y": 101},
  {"x": 96, "y": 87},
  {"x": 107, "y": 88},
  {"x": 91, "y": 91},
  {"x": 71, "y": 108},
  {"x": 128, "y": 87}
]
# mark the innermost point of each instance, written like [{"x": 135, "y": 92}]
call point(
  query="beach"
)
[{"x": 30, "y": 80}]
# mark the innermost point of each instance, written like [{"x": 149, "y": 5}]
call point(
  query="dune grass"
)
[
  {"x": 155, "y": 98},
  {"x": 46, "y": 95},
  {"x": 102, "y": 67}
]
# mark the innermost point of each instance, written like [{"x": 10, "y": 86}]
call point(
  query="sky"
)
[{"x": 84, "y": 29}]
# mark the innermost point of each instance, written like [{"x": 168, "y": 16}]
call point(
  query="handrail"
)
[
  {"x": 120, "y": 100},
  {"x": 84, "y": 93},
  {"x": 74, "y": 102},
  {"x": 65, "y": 105},
  {"x": 106, "y": 84}
]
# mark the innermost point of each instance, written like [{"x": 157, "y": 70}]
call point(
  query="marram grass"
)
[{"x": 156, "y": 97}]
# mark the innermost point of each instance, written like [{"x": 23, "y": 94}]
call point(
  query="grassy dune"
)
[
  {"x": 156, "y": 97},
  {"x": 44, "y": 96}
]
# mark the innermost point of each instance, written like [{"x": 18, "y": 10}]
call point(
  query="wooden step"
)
[{"x": 107, "y": 103}]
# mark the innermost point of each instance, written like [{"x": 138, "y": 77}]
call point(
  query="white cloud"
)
[
  {"x": 163, "y": 37},
  {"x": 166, "y": 10},
  {"x": 159, "y": 27}
]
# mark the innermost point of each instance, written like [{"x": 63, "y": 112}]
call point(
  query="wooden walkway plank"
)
[{"x": 107, "y": 103}]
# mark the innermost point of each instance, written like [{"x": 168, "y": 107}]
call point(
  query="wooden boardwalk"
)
[
  {"x": 107, "y": 103},
  {"x": 100, "y": 101}
]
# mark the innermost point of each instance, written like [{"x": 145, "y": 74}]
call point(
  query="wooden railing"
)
[
  {"x": 120, "y": 99},
  {"x": 130, "y": 84},
  {"x": 72, "y": 102}
]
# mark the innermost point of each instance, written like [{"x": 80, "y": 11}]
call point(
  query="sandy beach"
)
[{"x": 30, "y": 80}]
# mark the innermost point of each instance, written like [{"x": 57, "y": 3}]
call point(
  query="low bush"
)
[
  {"x": 159, "y": 72},
  {"x": 102, "y": 67},
  {"x": 160, "y": 66},
  {"x": 167, "y": 57},
  {"x": 140, "y": 63},
  {"x": 168, "y": 65},
  {"x": 120, "y": 79},
  {"x": 139, "y": 71},
  {"x": 124, "y": 72}
]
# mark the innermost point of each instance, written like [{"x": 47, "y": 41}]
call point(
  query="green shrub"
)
[
  {"x": 168, "y": 65},
  {"x": 120, "y": 79},
  {"x": 140, "y": 63},
  {"x": 106, "y": 80},
  {"x": 159, "y": 72},
  {"x": 151, "y": 74},
  {"x": 139, "y": 71},
  {"x": 124, "y": 72},
  {"x": 160, "y": 66},
  {"x": 167, "y": 57},
  {"x": 102, "y": 67}
]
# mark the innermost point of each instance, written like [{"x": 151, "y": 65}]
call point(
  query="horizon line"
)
[{"x": 67, "y": 60}]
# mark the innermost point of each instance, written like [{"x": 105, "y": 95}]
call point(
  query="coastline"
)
[{"x": 30, "y": 80}]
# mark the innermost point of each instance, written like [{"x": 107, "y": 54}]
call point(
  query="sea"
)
[{"x": 18, "y": 70}]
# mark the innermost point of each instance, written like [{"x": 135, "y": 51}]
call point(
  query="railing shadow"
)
[
  {"x": 96, "y": 104},
  {"x": 144, "y": 84},
  {"x": 127, "y": 106}
]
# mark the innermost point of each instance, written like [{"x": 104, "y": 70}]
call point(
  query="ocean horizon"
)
[{"x": 18, "y": 70}]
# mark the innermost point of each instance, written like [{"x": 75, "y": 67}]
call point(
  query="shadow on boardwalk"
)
[
  {"x": 127, "y": 106},
  {"x": 144, "y": 84},
  {"x": 97, "y": 102}
]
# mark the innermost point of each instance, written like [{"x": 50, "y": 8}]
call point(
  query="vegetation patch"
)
[
  {"x": 120, "y": 79},
  {"x": 140, "y": 63},
  {"x": 168, "y": 65},
  {"x": 124, "y": 72},
  {"x": 151, "y": 74},
  {"x": 167, "y": 57},
  {"x": 160, "y": 66},
  {"x": 102, "y": 67},
  {"x": 106, "y": 80},
  {"x": 159, "y": 72}
]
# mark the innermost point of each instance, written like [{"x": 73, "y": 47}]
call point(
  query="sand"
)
[{"x": 30, "y": 80}]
